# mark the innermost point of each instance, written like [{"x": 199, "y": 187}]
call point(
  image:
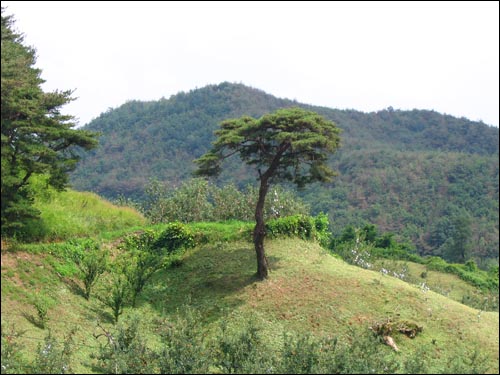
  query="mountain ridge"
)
[{"x": 424, "y": 155}]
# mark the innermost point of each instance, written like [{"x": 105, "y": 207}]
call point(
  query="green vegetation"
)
[
  {"x": 69, "y": 214},
  {"x": 413, "y": 173},
  {"x": 36, "y": 137},
  {"x": 198, "y": 200},
  {"x": 88, "y": 287},
  {"x": 367, "y": 249},
  {"x": 211, "y": 314},
  {"x": 91, "y": 261},
  {"x": 204, "y": 309},
  {"x": 287, "y": 145},
  {"x": 425, "y": 198}
]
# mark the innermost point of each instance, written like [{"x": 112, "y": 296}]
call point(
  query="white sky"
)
[{"x": 359, "y": 55}]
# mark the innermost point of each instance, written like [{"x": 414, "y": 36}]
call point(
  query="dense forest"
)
[{"x": 423, "y": 175}]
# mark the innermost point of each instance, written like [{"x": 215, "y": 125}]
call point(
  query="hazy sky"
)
[{"x": 359, "y": 55}]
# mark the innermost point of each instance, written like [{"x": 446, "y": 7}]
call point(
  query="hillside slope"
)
[
  {"x": 308, "y": 291},
  {"x": 70, "y": 213},
  {"x": 311, "y": 291}
]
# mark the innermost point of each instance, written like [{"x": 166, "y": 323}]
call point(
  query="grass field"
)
[{"x": 309, "y": 291}]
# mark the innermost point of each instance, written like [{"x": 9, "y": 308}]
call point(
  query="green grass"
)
[
  {"x": 212, "y": 232},
  {"x": 308, "y": 291},
  {"x": 80, "y": 214},
  {"x": 447, "y": 284}
]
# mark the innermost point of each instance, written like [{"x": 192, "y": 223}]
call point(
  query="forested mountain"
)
[{"x": 425, "y": 176}]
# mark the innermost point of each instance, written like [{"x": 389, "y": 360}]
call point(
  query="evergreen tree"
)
[
  {"x": 457, "y": 247},
  {"x": 36, "y": 137},
  {"x": 290, "y": 144}
]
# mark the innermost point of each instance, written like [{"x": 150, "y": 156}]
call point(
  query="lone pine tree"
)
[{"x": 290, "y": 144}]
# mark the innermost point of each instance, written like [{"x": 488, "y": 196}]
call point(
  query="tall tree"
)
[
  {"x": 36, "y": 137},
  {"x": 289, "y": 144},
  {"x": 458, "y": 245}
]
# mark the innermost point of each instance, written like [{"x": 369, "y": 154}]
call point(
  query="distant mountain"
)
[{"x": 410, "y": 172}]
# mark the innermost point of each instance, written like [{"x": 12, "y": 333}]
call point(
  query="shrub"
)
[
  {"x": 300, "y": 355},
  {"x": 91, "y": 261},
  {"x": 53, "y": 359},
  {"x": 187, "y": 203},
  {"x": 322, "y": 226},
  {"x": 467, "y": 272},
  {"x": 42, "y": 305},
  {"x": 385, "y": 241},
  {"x": 117, "y": 295},
  {"x": 241, "y": 350},
  {"x": 144, "y": 241},
  {"x": 11, "y": 360},
  {"x": 297, "y": 225},
  {"x": 184, "y": 348},
  {"x": 138, "y": 267},
  {"x": 231, "y": 204},
  {"x": 196, "y": 200},
  {"x": 175, "y": 236},
  {"x": 125, "y": 351},
  {"x": 148, "y": 252},
  {"x": 470, "y": 266},
  {"x": 396, "y": 253}
]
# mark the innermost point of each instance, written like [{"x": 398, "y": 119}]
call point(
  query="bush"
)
[
  {"x": 51, "y": 358},
  {"x": 300, "y": 355},
  {"x": 467, "y": 272},
  {"x": 91, "y": 261},
  {"x": 396, "y": 253},
  {"x": 244, "y": 346},
  {"x": 143, "y": 241},
  {"x": 322, "y": 226},
  {"x": 231, "y": 204},
  {"x": 187, "y": 203},
  {"x": 238, "y": 348},
  {"x": 291, "y": 226},
  {"x": 125, "y": 351},
  {"x": 302, "y": 226},
  {"x": 175, "y": 236},
  {"x": 196, "y": 200},
  {"x": 138, "y": 267},
  {"x": 184, "y": 348},
  {"x": 117, "y": 295},
  {"x": 42, "y": 305},
  {"x": 12, "y": 361},
  {"x": 148, "y": 252}
]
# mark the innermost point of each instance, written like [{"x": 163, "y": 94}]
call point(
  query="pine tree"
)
[
  {"x": 36, "y": 137},
  {"x": 290, "y": 144}
]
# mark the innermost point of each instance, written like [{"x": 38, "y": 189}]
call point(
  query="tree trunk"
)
[{"x": 260, "y": 231}]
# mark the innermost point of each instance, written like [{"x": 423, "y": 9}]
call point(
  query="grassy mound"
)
[
  {"x": 69, "y": 214},
  {"x": 308, "y": 292}
]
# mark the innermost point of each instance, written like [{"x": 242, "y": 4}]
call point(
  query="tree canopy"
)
[
  {"x": 290, "y": 144},
  {"x": 36, "y": 138}
]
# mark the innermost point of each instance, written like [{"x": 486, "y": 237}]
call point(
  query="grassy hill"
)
[
  {"x": 309, "y": 291},
  {"x": 69, "y": 214},
  {"x": 310, "y": 295}
]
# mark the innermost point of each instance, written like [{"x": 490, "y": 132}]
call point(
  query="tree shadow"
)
[
  {"x": 99, "y": 313},
  {"x": 34, "y": 320},
  {"x": 273, "y": 263},
  {"x": 209, "y": 279},
  {"x": 73, "y": 286}
]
